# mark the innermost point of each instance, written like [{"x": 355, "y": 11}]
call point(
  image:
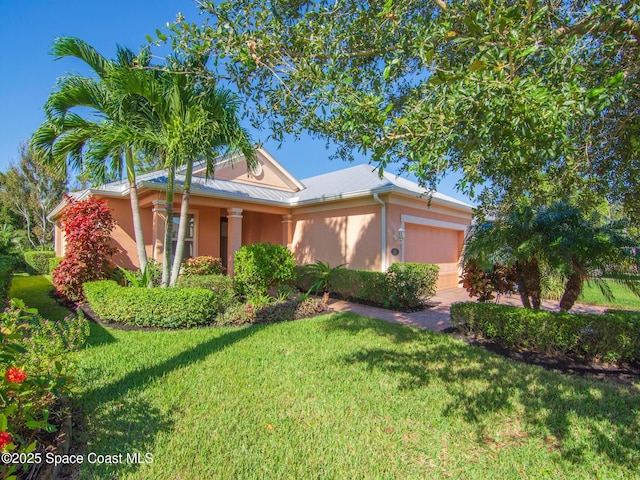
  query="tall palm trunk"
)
[
  {"x": 168, "y": 231},
  {"x": 135, "y": 209},
  {"x": 183, "y": 225}
]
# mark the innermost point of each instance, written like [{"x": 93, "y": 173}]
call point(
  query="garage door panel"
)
[{"x": 431, "y": 245}]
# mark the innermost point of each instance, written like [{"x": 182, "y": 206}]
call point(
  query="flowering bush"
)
[
  {"x": 35, "y": 355},
  {"x": 15, "y": 375},
  {"x": 87, "y": 227}
]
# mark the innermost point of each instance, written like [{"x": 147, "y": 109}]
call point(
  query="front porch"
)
[{"x": 220, "y": 228}]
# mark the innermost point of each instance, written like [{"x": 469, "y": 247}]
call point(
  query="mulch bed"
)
[{"x": 628, "y": 373}]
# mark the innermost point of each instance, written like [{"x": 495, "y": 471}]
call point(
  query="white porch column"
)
[
  {"x": 159, "y": 226},
  {"x": 287, "y": 230},
  {"x": 234, "y": 239}
]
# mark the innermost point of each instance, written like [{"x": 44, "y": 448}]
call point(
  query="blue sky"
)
[{"x": 29, "y": 72}]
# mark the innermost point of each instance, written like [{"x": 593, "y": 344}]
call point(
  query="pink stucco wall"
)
[
  {"x": 256, "y": 227},
  {"x": 261, "y": 228},
  {"x": 268, "y": 176},
  {"x": 123, "y": 237},
  {"x": 348, "y": 235}
]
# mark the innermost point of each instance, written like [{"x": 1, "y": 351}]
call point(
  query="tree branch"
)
[{"x": 592, "y": 25}]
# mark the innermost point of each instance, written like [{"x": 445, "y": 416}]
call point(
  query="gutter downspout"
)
[{"x": 384, "y": 231}]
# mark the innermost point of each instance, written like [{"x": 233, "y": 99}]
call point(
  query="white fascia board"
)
[
  {"x": 288, "y": 176},
  {"x": 294, "y": 202},
  {"x": 219, "y": 194},
  {"x": 428, "y": 222},
  {"x": 458, "y": 205}
]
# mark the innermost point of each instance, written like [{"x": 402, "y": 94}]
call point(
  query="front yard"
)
[{"x": 340, "y": 396}]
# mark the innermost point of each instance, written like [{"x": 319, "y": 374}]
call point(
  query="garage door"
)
[{"x": 426, "y": 244}]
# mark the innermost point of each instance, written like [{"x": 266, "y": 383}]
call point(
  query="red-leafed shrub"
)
[{"x": 87, "y": 226}]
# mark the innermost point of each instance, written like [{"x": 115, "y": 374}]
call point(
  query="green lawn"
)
[
  {"x": 341, "y": 396},
  {"x": 623, "y": 298},
  {"x": 35, "y": 290}
]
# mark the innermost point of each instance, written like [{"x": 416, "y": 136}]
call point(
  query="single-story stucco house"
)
[{"x": 351, "y": 216}]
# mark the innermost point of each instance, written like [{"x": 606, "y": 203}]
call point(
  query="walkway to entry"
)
[{"x": 437, "y": 316}]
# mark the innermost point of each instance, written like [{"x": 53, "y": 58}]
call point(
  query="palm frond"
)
[{"x": 75, "y": 47}]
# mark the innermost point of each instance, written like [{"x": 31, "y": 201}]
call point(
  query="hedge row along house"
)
[{"x": 351, "y": 216}]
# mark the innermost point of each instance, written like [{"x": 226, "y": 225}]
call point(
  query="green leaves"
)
[{"x": 501, "y": 92}]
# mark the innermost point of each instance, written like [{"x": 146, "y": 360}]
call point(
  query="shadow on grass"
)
[
  {"x": 134, "y": 424},
  {"x": 480, "y": 384},
  {"x": 98, "y": 335},
  {"x": 355, "y": 323}
]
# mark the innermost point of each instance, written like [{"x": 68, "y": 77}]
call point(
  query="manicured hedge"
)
[
  {"x": 222, "y": 285},
  {"x": 613, "y": 336},
  {"x": 7, "y": 266},
  {"x": 152, "y": 307},
  {"x": 281, "y": 311},
  {"x": 409, "y": 283},
  {"x": 404, "y": 286},
  {"x": 262, "y": 266},
  {"x": 37, "y": 261},
  {"x": 53, "y": 263}
]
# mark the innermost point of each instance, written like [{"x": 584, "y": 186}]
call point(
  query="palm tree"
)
[
  {"x": 585, "y": 248},
  {"x": 187, "y": 120},
  {"x": 512, "y": 241},
  {"x": 559, "y": 236},
  {"x": 66, "y": 137}
]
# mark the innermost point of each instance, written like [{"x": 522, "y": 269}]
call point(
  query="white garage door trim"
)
[{"x": 427, "y": 222}]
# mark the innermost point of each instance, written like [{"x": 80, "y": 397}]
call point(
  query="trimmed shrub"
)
[
  {"x": 405, "y": 286},
  {"x": 357, "y": 285},
  {"x": 262, "y": 266},
  {"x": 152, "y": 307},
  {"x": 250, "y": 313},
  {"x": 487, "y": 284},
  {"x": 303, "y": 279},
  {"x": 37, "y": 261},
  {"x": 612, "y": 337},
  {"x": 87, "y": 228},
  {"x": 202, "y": 265},
  {"x": 222, "y": 285},
  {"x": 410, "y": 284},
  {"x": 7, "y": 266},
  {"x": 53, "y": 264}
]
